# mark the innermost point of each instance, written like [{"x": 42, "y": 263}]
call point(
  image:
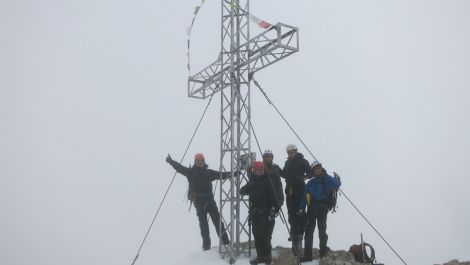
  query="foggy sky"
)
[{"x": 93, "y": 96}]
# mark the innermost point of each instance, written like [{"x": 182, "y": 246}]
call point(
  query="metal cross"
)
[{"x": 240, "y": 57}]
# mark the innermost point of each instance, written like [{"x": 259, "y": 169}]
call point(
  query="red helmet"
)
[{"x": 258, "y": 165}]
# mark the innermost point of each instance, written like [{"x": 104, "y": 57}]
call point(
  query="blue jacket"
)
[{"x": 315, "y": 189}]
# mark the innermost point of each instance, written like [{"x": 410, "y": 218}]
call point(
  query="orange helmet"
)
[{"x": 199, "y": 157}]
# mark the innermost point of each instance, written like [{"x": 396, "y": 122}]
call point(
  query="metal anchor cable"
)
[
  {"x": 171, "y": 182},
  {"x": 306, "y": 147}
]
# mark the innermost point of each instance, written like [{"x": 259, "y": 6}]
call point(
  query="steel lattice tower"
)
[{"x": 240, "y": 57}]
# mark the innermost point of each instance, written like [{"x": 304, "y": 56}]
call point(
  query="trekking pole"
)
[
  {"x": 362, "y": 247},
  {"x": 283, "y": 220},
  {"x": 373, "y": 227}
]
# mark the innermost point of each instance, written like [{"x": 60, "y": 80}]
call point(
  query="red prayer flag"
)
[{"x": 264, "y": 24}]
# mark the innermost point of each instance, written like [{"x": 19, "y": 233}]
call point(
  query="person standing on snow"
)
[
  {"x": 315, "y": 198},
  {"x": 200, "y": 192},
  {"x": 262, "y": 211},
  {"x": 296, "y": 170},
  {"x": 274, "y": 172}
]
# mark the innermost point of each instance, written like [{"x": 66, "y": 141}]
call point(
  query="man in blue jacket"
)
[{"x": 315, "y": 198}]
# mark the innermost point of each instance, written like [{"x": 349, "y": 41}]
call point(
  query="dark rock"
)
[
  {"x": 284, "y": 256},
  {"x": 456, "y": 262}
]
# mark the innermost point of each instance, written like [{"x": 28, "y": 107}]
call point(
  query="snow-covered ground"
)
[{"x": 212, "y": 256}]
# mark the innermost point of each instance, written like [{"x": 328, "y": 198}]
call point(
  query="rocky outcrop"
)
[
  {"x": 339, "y": 257},
  {"x": 284, "y": 256},
  {"x": 456, "y": 262}
]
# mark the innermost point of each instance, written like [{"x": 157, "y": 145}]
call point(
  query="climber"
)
[
  {"x": 263, "y": 209},
  {"x": 316, "y": 199},
  {"x": 200, "y": 192},
  {"x": 274, "y": 172},
  {"x": 296, "y": 170}
]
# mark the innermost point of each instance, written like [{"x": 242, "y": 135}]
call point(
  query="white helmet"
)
[
  {"x": 315, "y": 163},
  {"x": 291, "y": 147},
  {"x": 268, "y": 152}
]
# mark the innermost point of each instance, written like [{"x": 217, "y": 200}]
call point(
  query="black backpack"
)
[
  {"x": 331, "y": 198},
  {"x": 190, "y": 192}
]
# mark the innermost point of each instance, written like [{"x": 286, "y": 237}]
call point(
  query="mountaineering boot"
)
[
  {"x": 306, "y": 259},
  {"x": 225, "y": 240},
  {"x": 206, "y": 245},
  {"x": 297, "y": 247},
  {"x": 323, "y": 252},
  {"x": 258, "y": 260},
  {"x": 268, "y": 260}
]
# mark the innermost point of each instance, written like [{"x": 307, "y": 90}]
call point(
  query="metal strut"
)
[{"x": 240, "y": 56}]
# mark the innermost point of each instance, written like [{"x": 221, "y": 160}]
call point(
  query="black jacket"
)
[
  {"x": 275, "y": 172},
  {"x": 200, "y": 178},
  {"x": 295, "y": 169},
  {"x": 262, "y": 197}
]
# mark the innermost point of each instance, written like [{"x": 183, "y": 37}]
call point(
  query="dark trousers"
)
[
  {"x": 262, "y": 232},
  {"x": 206, "y": 205},
  {"x": 293, "y": 197},
  {"x": 271, "y": 224},
  {"x": 315, "y": 216}
]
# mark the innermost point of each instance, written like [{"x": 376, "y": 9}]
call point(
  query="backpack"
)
[
  {"x": 331, "y": 199},
  {"x": 360, "y": 253},
  {"x": 190, "y": 190},
  {"x": 277, "y": 185}
]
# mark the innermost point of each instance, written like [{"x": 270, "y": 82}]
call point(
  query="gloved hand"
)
[
  {"x": 300, "y": 212},
  {"x": 336, "y": 175},
  {"x": 249, "y": 172},
  {"x": 168, "y": 159},
  {"x": 273, "y": 213}
]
